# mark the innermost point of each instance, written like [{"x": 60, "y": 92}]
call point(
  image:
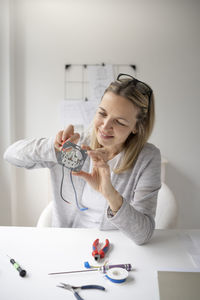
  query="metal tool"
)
[
  {"x": 102, "y": 269},
  {"x": 22, "y": 272},
  {"x": 98, "y": 254},
  {"x": 83, "y": 287}
]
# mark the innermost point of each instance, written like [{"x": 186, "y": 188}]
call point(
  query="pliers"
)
[
  {"x": 98, "y": 254},
  {"x": 83, "y": 287}
]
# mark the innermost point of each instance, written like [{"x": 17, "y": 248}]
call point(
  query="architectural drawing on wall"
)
[{"x": 84, "y": 86}]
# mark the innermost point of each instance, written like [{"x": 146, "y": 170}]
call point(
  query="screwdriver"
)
[{"x": 22, "y": 272}]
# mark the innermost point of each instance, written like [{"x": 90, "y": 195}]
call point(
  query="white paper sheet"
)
[
  {"x": 99, "y": 79},
  {"x": 178, "y": 285},
  {"x": 78, "y": 113},
  {"x": 191, "y": 242}
]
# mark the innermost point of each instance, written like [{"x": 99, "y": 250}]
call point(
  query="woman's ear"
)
[
  {"x": 135, "y": 128},
  {"x": 134, "y": 131}
]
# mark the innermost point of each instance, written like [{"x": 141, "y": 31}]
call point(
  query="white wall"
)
[
  {"x": 5, "y": 134},
  {"x": 160, "y": 37}
]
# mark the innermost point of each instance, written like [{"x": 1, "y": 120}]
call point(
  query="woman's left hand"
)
[{"x": 99, "y": 178}]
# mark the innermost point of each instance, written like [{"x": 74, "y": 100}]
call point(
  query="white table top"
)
[{"x": 44, "y": 250}]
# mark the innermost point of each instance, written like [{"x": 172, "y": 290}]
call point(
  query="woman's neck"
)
[{"x": 113, "y": 152}]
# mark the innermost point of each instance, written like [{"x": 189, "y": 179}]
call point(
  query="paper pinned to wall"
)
[
  {"x": 77, "y": 112},
  {"x": 99, "y": 77}
]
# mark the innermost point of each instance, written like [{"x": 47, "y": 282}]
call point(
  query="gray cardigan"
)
[{"x": 138, "y": 187}]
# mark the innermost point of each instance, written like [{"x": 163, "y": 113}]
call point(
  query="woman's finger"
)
[
  {"x": 69, "y": 135},
  {"x": 66, "y": 135},
  {"x": 58, "y": 140},
  {"x": 82, "y": 174},
  {"x": 85, "y": 147},
  {"x": 98, "y": 155},
  {"x": 59, "y": 136},
  {"x": 98, "y": 161},
  {"x": 74, "y": 138},
  {"x": 67, "y": 132}
]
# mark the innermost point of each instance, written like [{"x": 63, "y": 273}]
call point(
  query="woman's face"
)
[{"x": 115, "y": 119}]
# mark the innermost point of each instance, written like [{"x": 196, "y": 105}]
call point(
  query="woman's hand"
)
[
  {"x": 64, "y": 135},
  {"x": 100, "y": 178}
]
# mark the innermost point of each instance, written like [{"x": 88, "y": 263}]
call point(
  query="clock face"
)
[{"x": 71, "y": 156}]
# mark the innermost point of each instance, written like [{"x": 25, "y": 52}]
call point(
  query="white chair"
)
[
  {"x": 166, "y": 213},
  {"x": 167, "y": 209},
  {"x": 45, "y": 217}
]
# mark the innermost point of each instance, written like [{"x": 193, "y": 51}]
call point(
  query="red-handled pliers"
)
[{"x": 98, "y": 254}]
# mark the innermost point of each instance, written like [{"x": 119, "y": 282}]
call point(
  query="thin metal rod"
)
[{"x": 73, "y": 272}]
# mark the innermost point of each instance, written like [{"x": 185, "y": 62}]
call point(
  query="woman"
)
[{"x": 120, "y": 179}]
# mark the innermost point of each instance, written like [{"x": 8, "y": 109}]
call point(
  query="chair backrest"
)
[
  {"x": 45, "y": 217},
  {"x": 167, "y": 209},
  {"x": 166, "y": 213}
]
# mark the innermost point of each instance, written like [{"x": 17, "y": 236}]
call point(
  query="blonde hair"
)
[{"x": 144, "y": 125}]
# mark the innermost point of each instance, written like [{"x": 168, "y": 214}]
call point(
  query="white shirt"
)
[{"x": 94, "y": 201}]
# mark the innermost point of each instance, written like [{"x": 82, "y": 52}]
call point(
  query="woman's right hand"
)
[{"x": 67, "y": 134}]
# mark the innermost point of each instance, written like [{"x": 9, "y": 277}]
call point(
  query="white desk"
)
[{"x": 45, "y": 250}]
